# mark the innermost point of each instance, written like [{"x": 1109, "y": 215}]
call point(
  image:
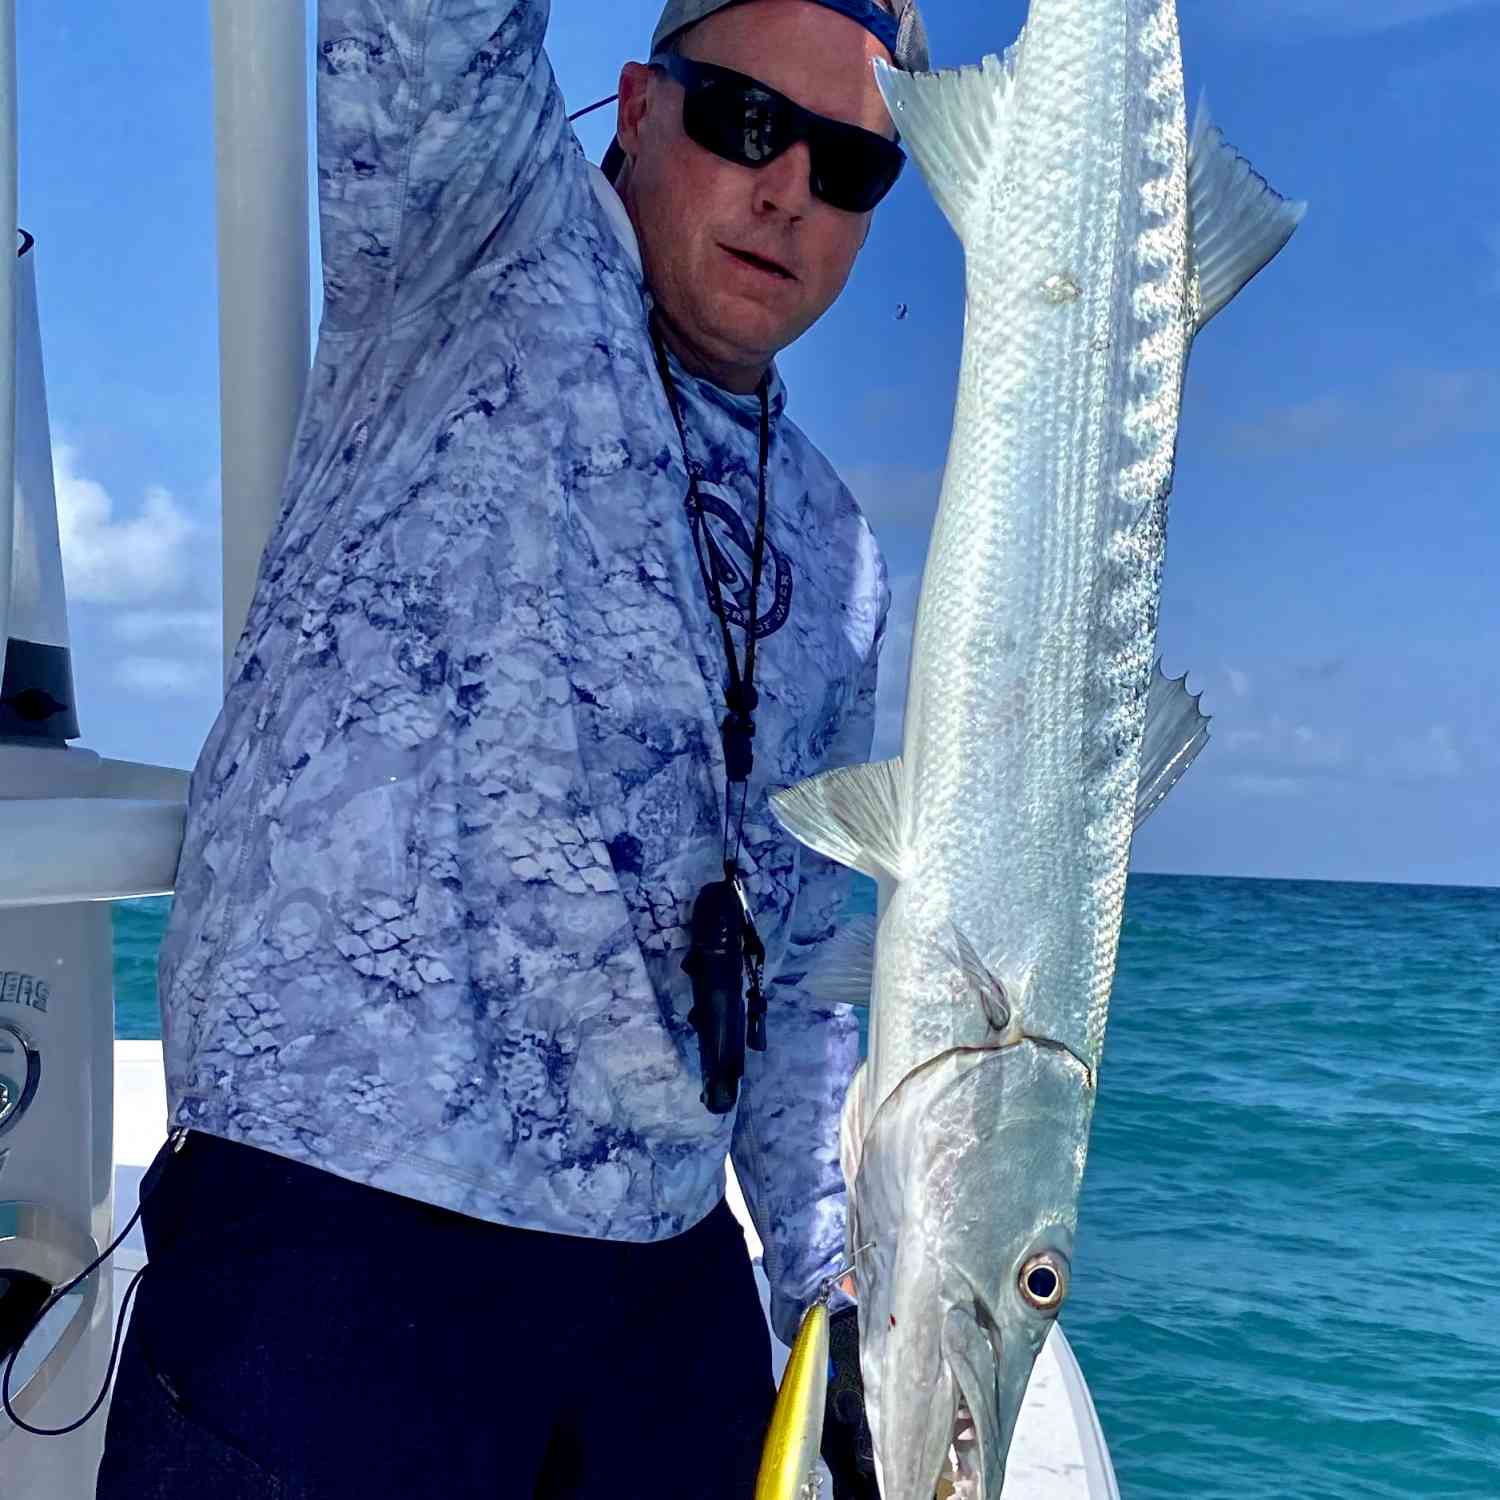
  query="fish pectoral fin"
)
[
  {"x": 1238, "y": 221},
  {"x": 1175, "y": 732},
  {"x": 844, "y": 971},
  {"x": 998, "y": 998},
  {"x": 951, "y": 121},
  {"x": 852, "y": 815},
  {"x": 851, "y": 1147}
]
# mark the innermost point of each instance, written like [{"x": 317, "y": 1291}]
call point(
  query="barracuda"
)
[{"x": 1098, "y": 240}]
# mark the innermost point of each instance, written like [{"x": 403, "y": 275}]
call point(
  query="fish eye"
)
[{"x": 1044, "y": 1281}]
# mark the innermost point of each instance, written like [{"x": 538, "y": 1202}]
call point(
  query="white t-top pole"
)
[
  {"x": 260, "y": 125},
  {"x": 9, "y": 246}
]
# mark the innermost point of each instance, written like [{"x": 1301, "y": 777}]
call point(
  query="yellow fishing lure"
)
[{"x": 795, "y": 1436}]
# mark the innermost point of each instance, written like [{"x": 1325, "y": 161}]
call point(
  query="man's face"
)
[{"x": 701, "y": 219}]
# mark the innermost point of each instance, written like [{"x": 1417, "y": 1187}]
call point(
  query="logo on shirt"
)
[{"x": 727, "y": 546}]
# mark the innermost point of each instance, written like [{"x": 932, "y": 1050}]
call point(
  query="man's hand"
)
[{"x": 848, "y": 1449}]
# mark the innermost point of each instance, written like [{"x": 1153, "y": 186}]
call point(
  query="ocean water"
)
[{"x": 1287, "y": 1281}]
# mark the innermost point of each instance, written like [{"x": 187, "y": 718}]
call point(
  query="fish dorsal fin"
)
[
  {"x": 952, "y": 122},
  {"x": 852, "y": 815},
  {"x": 844, "y": 972},
  {"x": 1238, "y": 221},
  {"x": 1175, "y": 732}
]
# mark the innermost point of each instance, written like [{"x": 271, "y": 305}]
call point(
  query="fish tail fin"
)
[
  {"x": 852, "y": 815},
  {"x": 951, "y": 121},
  {"x": 1240, "y": 223},
  {"x": 1175, "y": 732}
]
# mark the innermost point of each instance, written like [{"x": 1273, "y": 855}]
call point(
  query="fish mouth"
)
[
  {"x": 759, "y": 263},
  {"x": 984, "y": 1416},
  {"x": 960, "y": 1476}
]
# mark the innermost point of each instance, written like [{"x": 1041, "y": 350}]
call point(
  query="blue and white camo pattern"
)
[{"x": 444, "y": 837}]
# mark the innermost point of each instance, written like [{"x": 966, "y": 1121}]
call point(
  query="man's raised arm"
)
[{"x": 440, "y": 131}]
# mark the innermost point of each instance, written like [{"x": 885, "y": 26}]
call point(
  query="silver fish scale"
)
[{"x": 1036, "y": 626}]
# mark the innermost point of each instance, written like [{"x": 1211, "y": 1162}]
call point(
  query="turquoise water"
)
[{"x": 1289, "y": 1241}]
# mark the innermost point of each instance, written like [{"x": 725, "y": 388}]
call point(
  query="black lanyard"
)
[
  {"x": 722, "y": 1056},
  {"x": 739, "y": 695}
]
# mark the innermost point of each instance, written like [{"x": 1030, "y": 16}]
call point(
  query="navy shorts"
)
[{"x": 303, "y": 1337}]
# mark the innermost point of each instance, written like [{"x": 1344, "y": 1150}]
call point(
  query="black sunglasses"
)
[{"x": 749, "y": 124}]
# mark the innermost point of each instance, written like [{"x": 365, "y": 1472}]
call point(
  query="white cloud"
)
[
  {"x": 1432, "y": 756},
  {"x": 1282, "y": 756},
  {"x": 1411, "y": 409},
  {"x": 146, "y": 574},
  {"x": 1281, "y": 745},
  {"x": 1239, "y": 682},
  {"x": 142, "y": 559}
]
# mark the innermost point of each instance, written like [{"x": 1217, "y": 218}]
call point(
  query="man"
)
[{"x": 449, "y": 1217}]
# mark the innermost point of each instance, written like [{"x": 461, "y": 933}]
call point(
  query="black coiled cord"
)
[{"x": 170, "y": 1147}]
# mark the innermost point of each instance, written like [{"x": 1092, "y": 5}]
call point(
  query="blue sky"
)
[{"x": 1332, "y": 562}]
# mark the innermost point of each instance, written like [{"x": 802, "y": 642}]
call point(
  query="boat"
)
[{"x": 82, "y": 1114}]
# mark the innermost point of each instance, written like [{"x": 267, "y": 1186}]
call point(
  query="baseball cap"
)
[{"x": 898, "y": 27}]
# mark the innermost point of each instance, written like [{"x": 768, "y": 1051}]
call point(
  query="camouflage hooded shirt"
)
[{"x": 445, "y": 835}]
